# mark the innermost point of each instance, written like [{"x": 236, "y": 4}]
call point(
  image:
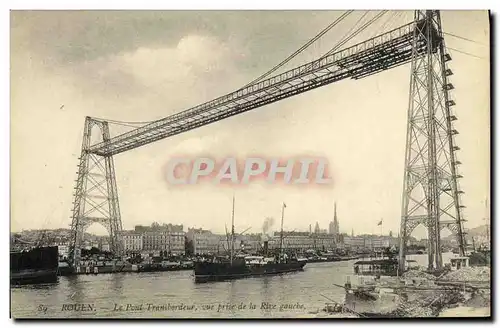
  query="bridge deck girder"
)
[{"x": 379, "y": 53}]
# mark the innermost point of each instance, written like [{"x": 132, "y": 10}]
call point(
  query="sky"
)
[{"x": 145, "y": 65}]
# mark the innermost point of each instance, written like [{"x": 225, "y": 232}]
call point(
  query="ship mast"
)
[
  {"x": 232, "y": 233},
  {"x": 281, "y": 232}
]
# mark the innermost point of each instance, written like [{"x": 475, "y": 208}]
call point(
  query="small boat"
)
[
  {"x": 364, "y": 295},
  {"x": 372, "y": 302},
  {"x": 380, "y": 267}
]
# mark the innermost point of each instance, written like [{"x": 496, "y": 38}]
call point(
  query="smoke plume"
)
[{"x": 267, "y": 225}]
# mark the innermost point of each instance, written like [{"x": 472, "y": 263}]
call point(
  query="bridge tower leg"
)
[
  {"x": 431, "y": 192},
  {"x": 96, "y": 194}
]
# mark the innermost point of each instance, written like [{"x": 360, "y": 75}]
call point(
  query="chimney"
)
[{"x": 266, "y": 247}]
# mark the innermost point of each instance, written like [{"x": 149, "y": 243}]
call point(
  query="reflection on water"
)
[{"x": 178, "y": 289}]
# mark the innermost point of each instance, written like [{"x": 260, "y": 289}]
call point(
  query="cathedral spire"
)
[
  {"x": 335, "y": 220},
  {"x": 335, "y": 213}
]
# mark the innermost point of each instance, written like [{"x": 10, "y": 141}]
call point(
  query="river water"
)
[
  {"x": 176, "y": 295},
  {"x": 299, "y": 292}
]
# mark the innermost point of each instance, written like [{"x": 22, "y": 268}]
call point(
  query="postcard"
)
[{"x": 250, "y": 164}]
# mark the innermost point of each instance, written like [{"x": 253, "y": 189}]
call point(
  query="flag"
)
[
  {"x": 380, "y": 223},
  {"x": 284, "y": 205}
]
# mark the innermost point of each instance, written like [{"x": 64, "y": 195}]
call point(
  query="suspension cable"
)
[
  {"x": 301, "y": 49},
  {"x": 359, "y": 30},
  {"x": 461, "y": 37},
  {"x": 347, "y": 34},
  {"x": 389, "y": 22},
  {"x": 465, "y": 53}
]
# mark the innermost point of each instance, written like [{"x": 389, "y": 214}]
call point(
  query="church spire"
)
[
  {"x": 335, "y": 220},
  {"x": 335, "y": 213}
]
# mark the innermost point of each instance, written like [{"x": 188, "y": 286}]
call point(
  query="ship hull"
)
[
  {"x": 25, "y": 277},
  {"x": 159, "y": 268},
  {"x": 37, "y": 266},
  {"x": 207, "y": 271}
]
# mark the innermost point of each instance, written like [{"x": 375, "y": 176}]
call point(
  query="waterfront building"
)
[
  {"x": 303, "y": 241},
  {"x": 204, "y": 242},
  {"x": 370, "y": 242},
  {"x": 105, "y": 247},
  {"x": 324, "y": 241},
  {"x": 132, "y": 241},
  {"x": 354, "y": 242},
  {"x": 377, "y": 243},
  {"x": 172, "y": 242},
  {"x": 156, "y": 227}
]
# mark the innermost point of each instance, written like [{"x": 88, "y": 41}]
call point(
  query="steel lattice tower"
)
[
  {"x": 96, "y": 195},
  {"x": 431, "y": 193}
]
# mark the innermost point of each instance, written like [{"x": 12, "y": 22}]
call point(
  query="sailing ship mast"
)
[
  {"x": 232, "y": 233},
  {"x": 281, "y": 232}
]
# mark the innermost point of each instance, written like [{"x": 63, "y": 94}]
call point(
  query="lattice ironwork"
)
[
  {"x": 96, "y": 194},
  {"x": 431, "y": 191}
]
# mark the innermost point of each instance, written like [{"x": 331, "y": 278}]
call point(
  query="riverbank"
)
[
  {"x": 456, "y": 294},
  {"x": 117, "y": 266},
  {"x": 417, "y": 294},
  {"x": 464, "y": 291}
]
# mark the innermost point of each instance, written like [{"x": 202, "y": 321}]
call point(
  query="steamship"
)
[{"x": 220, "y": 269}]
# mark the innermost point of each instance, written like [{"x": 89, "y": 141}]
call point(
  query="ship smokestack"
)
[{"x": 266, "y": 247}]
